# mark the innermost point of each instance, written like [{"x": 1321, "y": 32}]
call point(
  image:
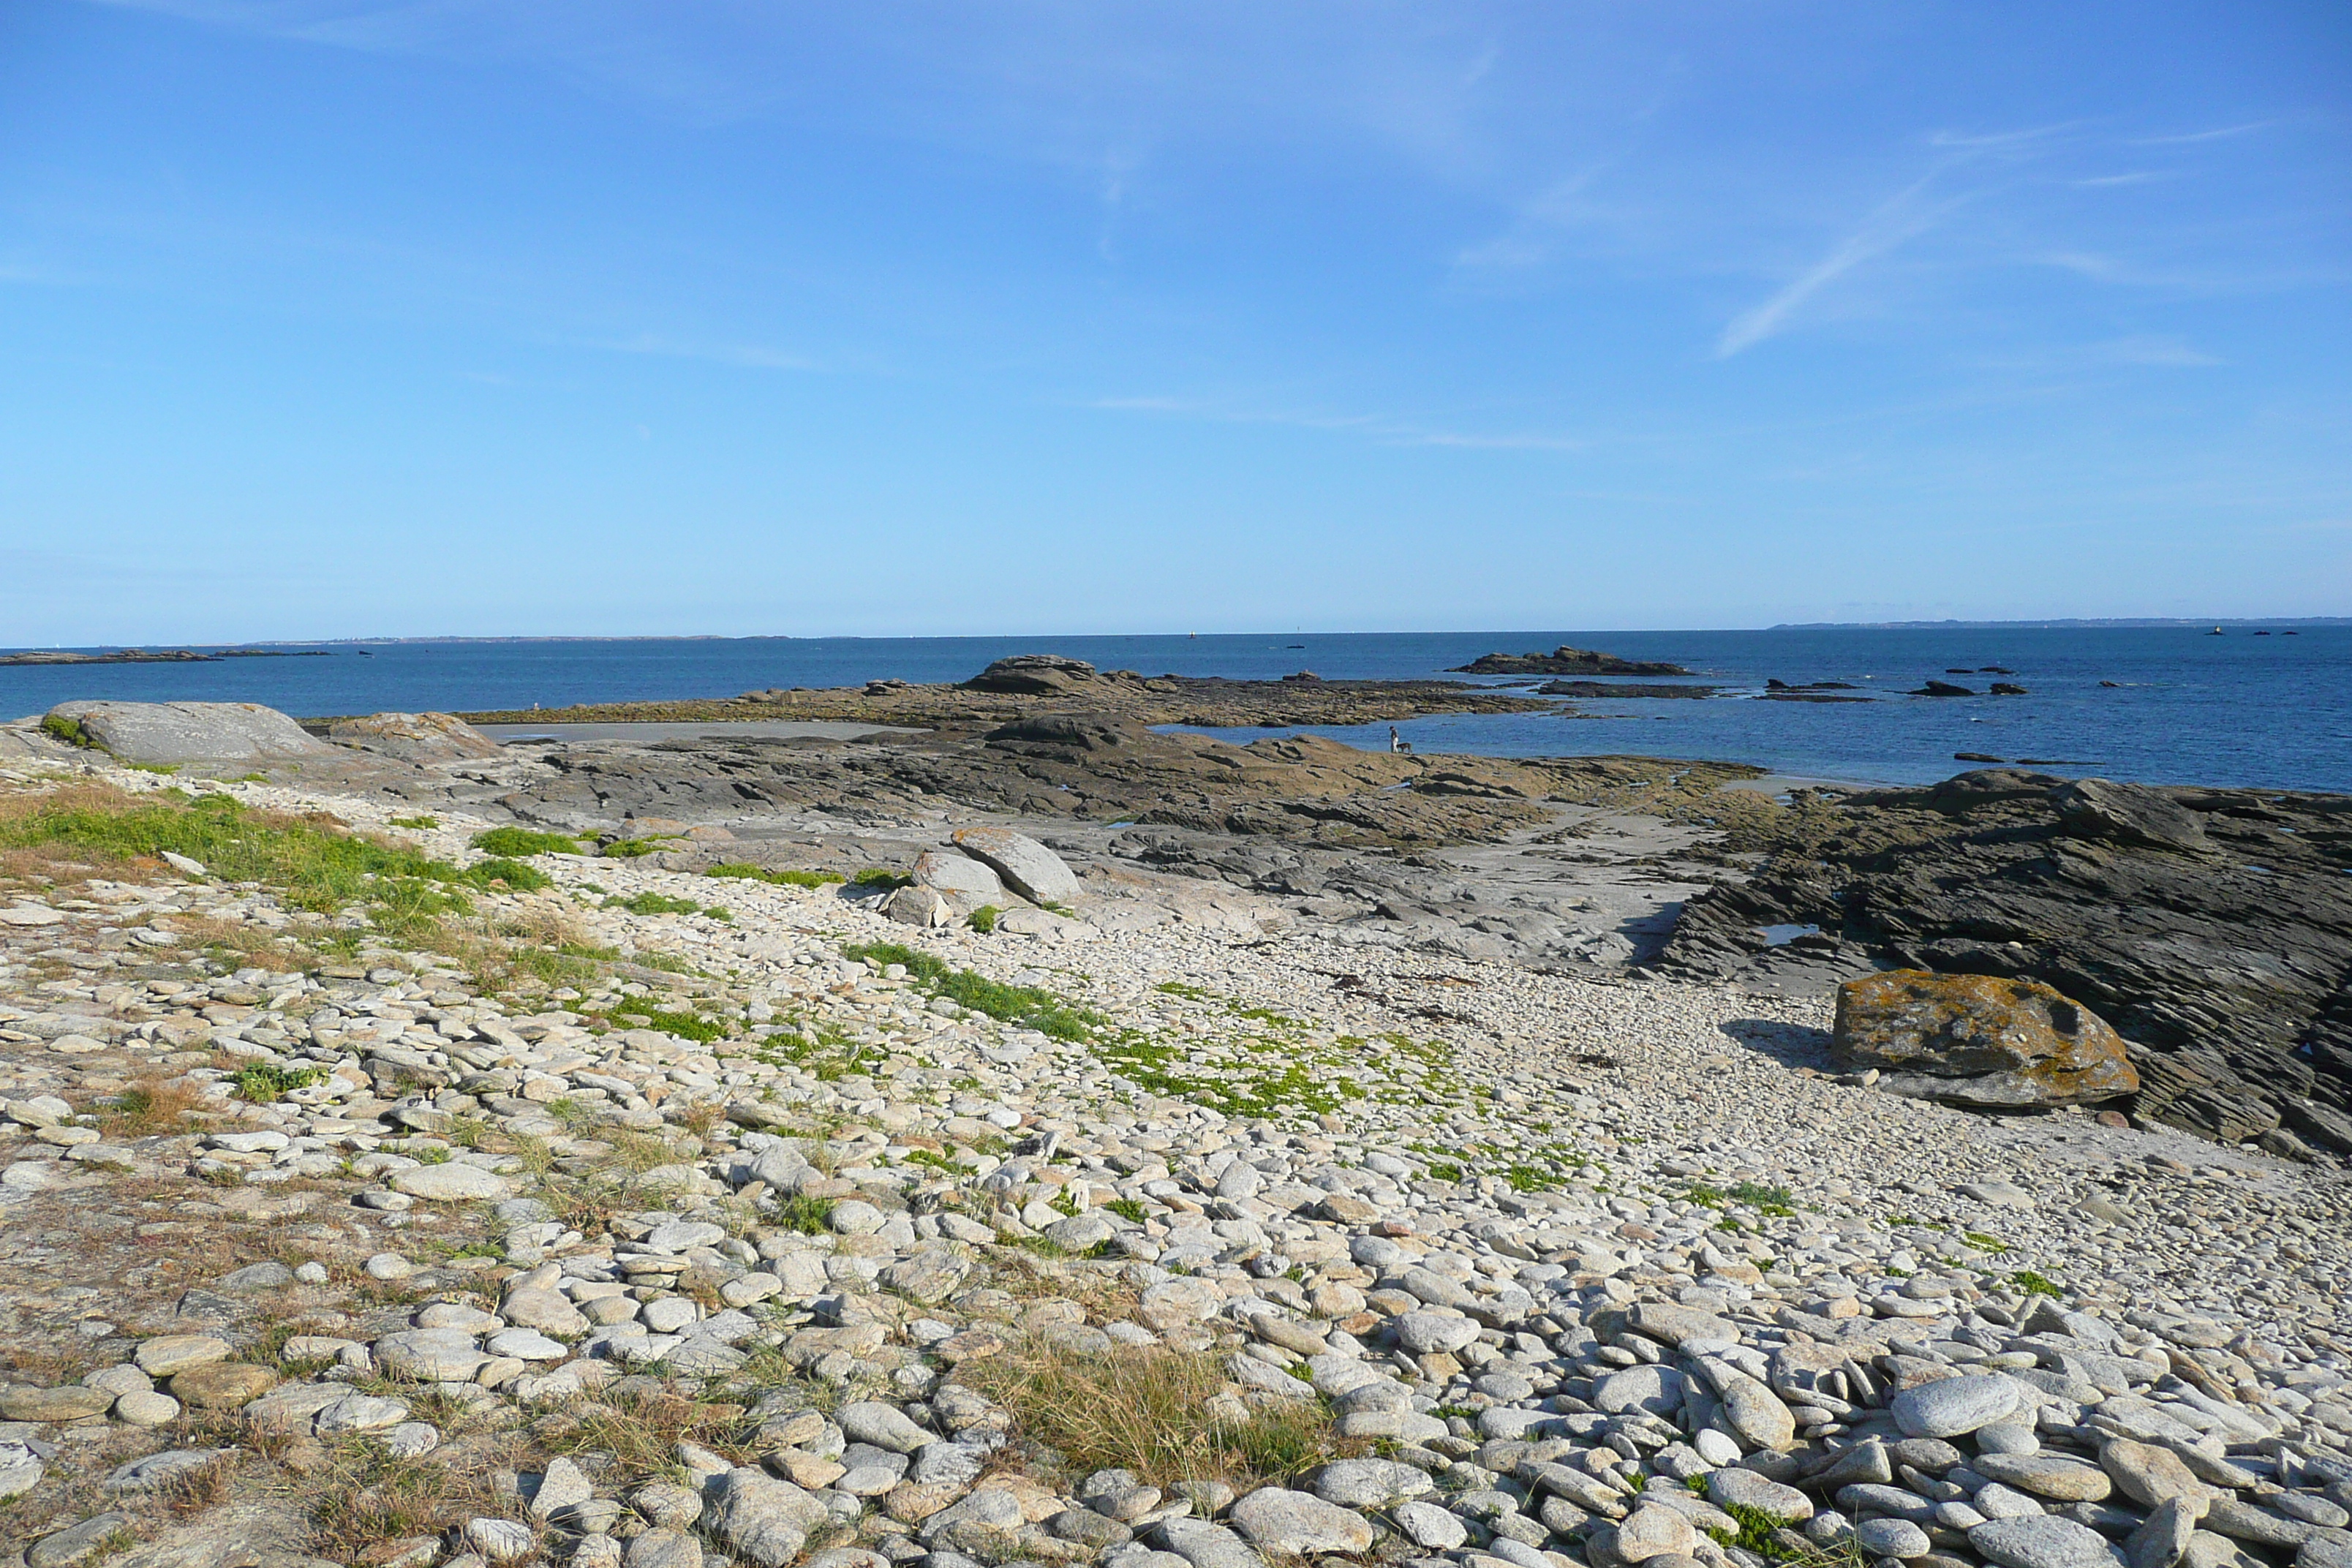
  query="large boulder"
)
[
  {"x": 1031, "y": 675},
  {"x": 956, "y": 874},
  {"x": 415, "y": 737},
  {"x": 1028, "y": 868},
  {"x": 190, "y": 732},
  {"x": 1978, "y": 1040}
]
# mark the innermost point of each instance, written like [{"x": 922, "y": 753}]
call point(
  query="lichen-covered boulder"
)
[
  {"x": 1978, "y": 1040},
  {"x": 415, "y": 737}
]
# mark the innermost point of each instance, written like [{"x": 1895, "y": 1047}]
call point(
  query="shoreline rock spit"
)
[{"x": 410, "y": 1202}]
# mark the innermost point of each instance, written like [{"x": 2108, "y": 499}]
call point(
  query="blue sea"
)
[{"x": 2158, "y": 705}]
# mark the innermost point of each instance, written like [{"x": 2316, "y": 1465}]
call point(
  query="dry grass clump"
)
[
  {"x": 253, "y": 947},
  {"x": 153, "y": 1105},
  {"x": 640, "y": 1434},
  {"x": 1147, "y": 1408},
  {"x": 366, "y": 1497}
]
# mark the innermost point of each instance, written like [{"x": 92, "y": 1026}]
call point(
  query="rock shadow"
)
[{"x": 1791, "y": 1044}]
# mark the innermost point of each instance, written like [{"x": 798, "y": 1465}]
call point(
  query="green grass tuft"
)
[
  {"x": 512, "y": 841},
  {"x": 658, "y": 904},
  {"x": 984, "y": 918},
  {"x": 750, "y": 873}
]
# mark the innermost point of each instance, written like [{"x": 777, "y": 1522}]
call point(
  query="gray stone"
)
[
  {"x": 883, "y": 1425},
  {"x": 1671, "y": 1324},
  {"x": 1205, "y": 1545},
  {"x": 2042, "y": 1541},
  {"x": 1754, "y": 1413},
  {"x": 566, "y": 1485},
  {"x": 76, "y": 1543},
  {"x": 193, "y": 731},
  {"x": 956, "y": 874},
  {"x": 1654, "y": 1530},
  {"x": 1733, "y": 1486},
  {"x": 2046, "y": 1475},
  {"x": 144, "y": 1475},
  {"x": 452, "y": 1182},
  {"x": 2256, "y": 1526},
  {"x": 761, "y": 1518},
  {"x": 1892, "y": 1538},
  {"x": 1028, "y": 868},
  {"x": 2151, "y": 1476},
  {"x": 1431, "y": 1527},
  {"x": 168, "y": 1354},
  {"x": 1657, "y": 1389},
  {"x": 1369, "y": 1483},
  {"x": 500, "y": 1540},
  {"x": 257, "y": 1276},
  {"x": 1423, "y": 1332},
  {"x": 1274, "y": 1519},
  {"x": 2161, "y": 1539},
  {"x": 430, "y": 1355},
  {"x": 359, "y": 1413},
  {"x": 1954, "y": 1405},
  {"x": 663, "y": 1549},
  {"x": 930, "y": 1277}
]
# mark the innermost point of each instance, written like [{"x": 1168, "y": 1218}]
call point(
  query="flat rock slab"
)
[
  {"x": 193, "y": 731},
  {"x": 452, "y": 1182}
]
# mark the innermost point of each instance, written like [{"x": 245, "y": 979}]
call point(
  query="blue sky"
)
[{"x": 332, "y": 317}]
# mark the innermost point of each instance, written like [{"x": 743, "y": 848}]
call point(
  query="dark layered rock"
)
[
  {"x": 1621, "y": 689},
  {"x": 2211, "y": 928},
  {"x": 1564, "y": 660}
]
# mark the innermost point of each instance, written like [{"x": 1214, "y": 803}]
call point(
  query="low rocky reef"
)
[
  {"x": 2211, "y": 928},
  {"x": 1564, "y": 660}
]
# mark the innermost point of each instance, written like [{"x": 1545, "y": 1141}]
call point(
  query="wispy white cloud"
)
[
  {"x": 1902, "y": 218},
  {"x": 2220, "y": 134}
]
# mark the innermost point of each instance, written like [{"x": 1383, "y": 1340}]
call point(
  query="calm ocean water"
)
[{"x": 2185, "y": 708}]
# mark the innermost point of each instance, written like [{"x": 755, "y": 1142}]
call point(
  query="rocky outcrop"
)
[
  {"x": 415, "y": 737},
  {"x": 2213, "y": 929},
  {"x": 1564, "y": 660},
  {"x": 167, "y": 732},
  {"x": 1979, "y": 1041},
  {"x": 1032, "y": 675}
]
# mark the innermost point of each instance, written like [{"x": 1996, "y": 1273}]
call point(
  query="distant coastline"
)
[{"x": 2140, "y": 623}]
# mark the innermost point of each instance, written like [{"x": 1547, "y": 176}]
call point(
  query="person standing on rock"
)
[{"x": 1398, "y": 742}]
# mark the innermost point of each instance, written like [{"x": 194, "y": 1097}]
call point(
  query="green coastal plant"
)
[
  {"x": 512, "y": 841},
  {"x": 750, "y": 873}
]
